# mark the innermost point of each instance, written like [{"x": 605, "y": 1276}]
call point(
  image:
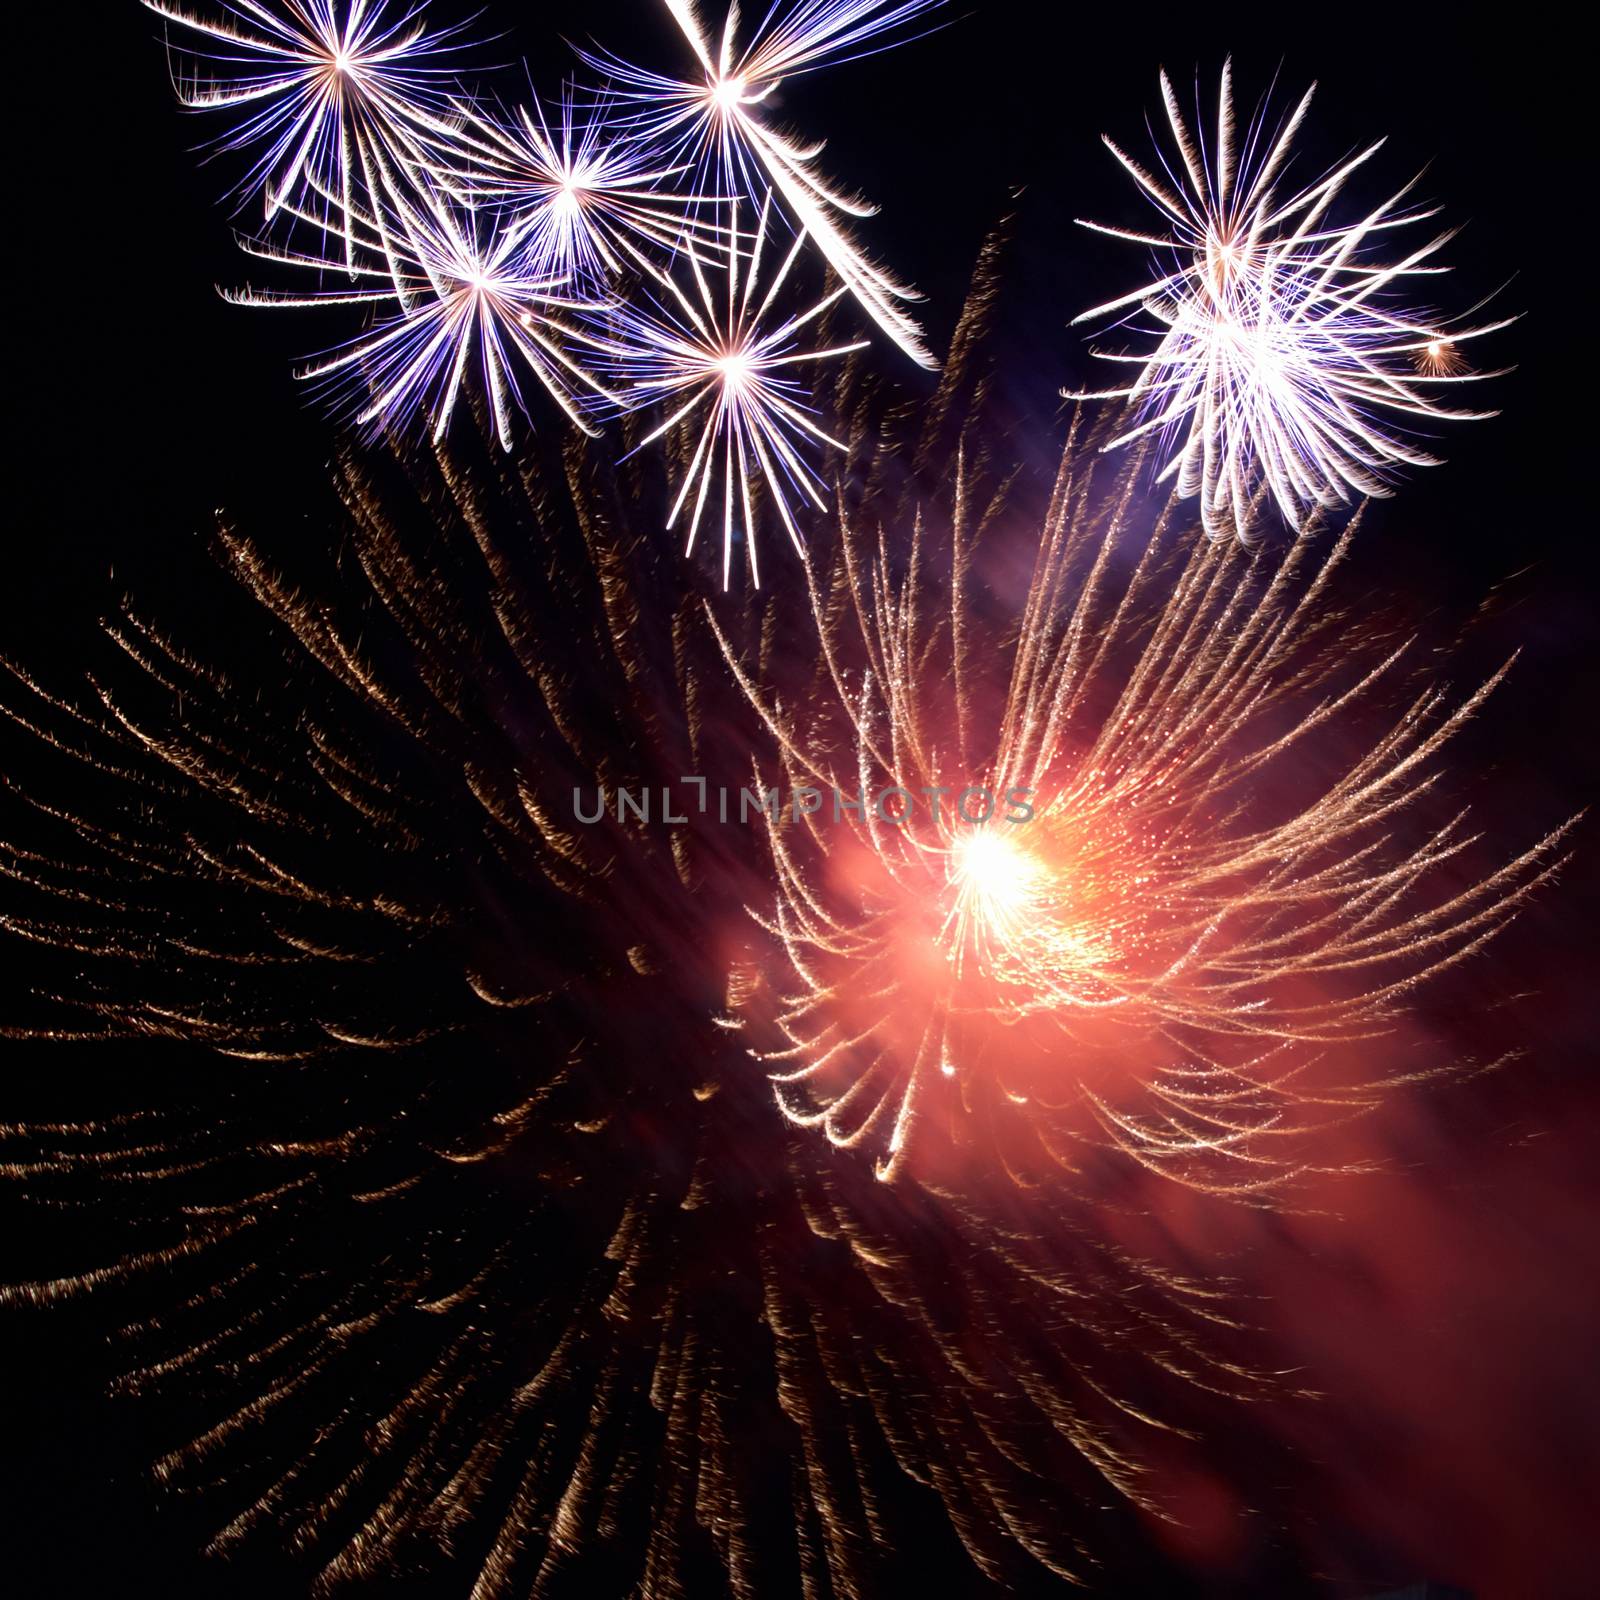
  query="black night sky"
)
[{"x": 1455, "y": 1315}]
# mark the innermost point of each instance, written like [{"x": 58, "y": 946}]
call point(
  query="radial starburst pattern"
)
[
  {"x": 1287, "y": 363},
  {"x": 326, "y": 92},
  {"x": 585, "y": 194},
  {"x": 459, "y": 292},
  {"x": 721, "y": 358},
  {"x": 443, "y": 1227},
  {"x": 1155, "y": 883},
  {"x": 717, "y": 121}
]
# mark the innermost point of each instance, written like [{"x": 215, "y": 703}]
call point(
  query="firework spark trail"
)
[
  {"x": 721, "y": 350},
  {"x": 1104, "y": 924},
  {"x": 444, "y": 1225},
  {"x": 325, "y": 102},
  {"x": 717, "y": 122},
  {"x": 1284, "y": 359}
]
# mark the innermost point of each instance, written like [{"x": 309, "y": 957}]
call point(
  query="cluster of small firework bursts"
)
[{"x": 620, "y": 249}]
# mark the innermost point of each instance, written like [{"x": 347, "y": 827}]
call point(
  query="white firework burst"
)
[
  {"x": 460, "y": 292},
  {"x": 330, "y": 96},
  {"x": 578, "y": 188},
  {"x": 718, "y": 351},
  {"x": 1286, "y": 365},
  {"x": 717, "y": 122}
]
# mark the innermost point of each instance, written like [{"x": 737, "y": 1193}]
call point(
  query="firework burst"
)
[
  {"x": 1089, "y": 894},
  {"x": 723, "y": 360},
  {"x": 477, "y": 1246},
  {"x": 717, "y": 123},
  {"x": 460, "y": 291},
  {"x": 327, "y": 93},
  {"x": 1285, "y": 364},
  {"x": 1439, "y": 358},
  {"x": 583, "y": 194}
]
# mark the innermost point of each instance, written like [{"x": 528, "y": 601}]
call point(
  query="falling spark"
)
[
  {"x": 723, "y": 359},
  {"x": 718, "y": 122},
  {"x": 1280, "y": 347}
]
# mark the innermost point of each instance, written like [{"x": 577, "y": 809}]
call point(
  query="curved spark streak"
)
[
  {"x": 717, "y": 124},
  {"x": 1281, "y": 351},
  {"x": 1165, "y": 957},
  {"x": 719, "y": 355}
]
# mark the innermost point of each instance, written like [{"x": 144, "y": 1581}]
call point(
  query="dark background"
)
[{"x": 143, "y": 403}]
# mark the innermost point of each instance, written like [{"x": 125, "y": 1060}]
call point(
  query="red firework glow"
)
[{"x": 1155, "y": 949}]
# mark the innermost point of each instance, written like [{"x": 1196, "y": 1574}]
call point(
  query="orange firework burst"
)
[
  {"x": 1440, "y": 358},
  {"x": 1150, "y": 880}
]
